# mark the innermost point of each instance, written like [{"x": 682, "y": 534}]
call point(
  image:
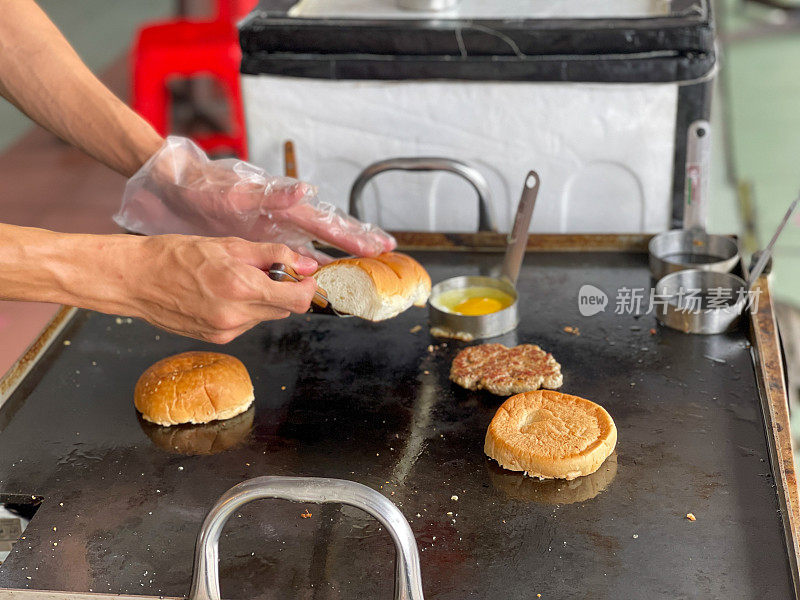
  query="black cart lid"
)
[{"x": 676, "y": 44}]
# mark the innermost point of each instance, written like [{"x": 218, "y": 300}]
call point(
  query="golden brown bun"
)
[
  {"x": 550, "y": 435},
  {"x": 209, "y": 438},
  {"x": 409, "y": 270},
  {"x": 375, "y": 288},
  {"x": 193, "y": 387}
]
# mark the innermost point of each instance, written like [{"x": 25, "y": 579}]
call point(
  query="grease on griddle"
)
[
  {"x": 516, "y": 486},
  {"x": 206, "y": 439}
]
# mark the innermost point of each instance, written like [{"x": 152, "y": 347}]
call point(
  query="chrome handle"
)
[
  {"x": 205, "y": 577},
  {"x": 486, "y": 220},
  {"x": 427, "y": 5},
  {"x": 698, "y": 168}
]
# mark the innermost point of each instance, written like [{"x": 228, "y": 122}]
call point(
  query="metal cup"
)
[
  {"x": 468, "y": 327},
  {"x": 680, "y": 249},
  {"x": 722, "y": 316},
  {"x": 680, "y": 311},
  {"x": 473, "y": 326},
  {"x": 691, "y": 247}
]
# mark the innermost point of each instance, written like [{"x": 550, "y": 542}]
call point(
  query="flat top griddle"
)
[{"x": 371, "y": 403}]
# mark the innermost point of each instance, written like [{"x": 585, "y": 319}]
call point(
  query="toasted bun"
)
[
  {"x": 550, "y": 435},
  {"x": 409, "y": 270},
  {"x": 375, "y": 288},
  {"x": 193, "y": 387}
]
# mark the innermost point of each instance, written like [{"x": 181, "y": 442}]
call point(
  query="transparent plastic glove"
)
[{"x": 180, "y": 190}]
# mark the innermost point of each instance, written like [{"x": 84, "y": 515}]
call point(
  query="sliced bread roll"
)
[{"x": 375, "y": 288}]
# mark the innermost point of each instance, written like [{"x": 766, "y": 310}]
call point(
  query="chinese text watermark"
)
[{"x": 644, "y": 301}]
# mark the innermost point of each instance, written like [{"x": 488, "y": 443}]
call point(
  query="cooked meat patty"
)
[{"x": 505, "y": 371}]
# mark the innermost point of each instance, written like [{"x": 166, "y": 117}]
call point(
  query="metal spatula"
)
[
  {"x": 767, "y": 252},
  {"x": 319, "y": 304}
]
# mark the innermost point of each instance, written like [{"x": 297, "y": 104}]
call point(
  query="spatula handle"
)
[
  {"x": 278, "y": 272},
  {"x": 767, "y": 253},
  {"x": 698, "y": 167},
  {"x": 518, "y": 238}
]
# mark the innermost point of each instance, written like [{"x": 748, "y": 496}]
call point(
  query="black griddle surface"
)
[{"x": 368, "y": 402}]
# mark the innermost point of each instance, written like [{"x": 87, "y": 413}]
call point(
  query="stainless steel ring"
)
[
  {"x": 680, "y": 249},
  {"x": 479, "y": 327},
  {"x": 707, "y": 320}
]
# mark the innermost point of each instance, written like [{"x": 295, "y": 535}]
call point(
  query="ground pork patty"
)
[{"x": 505, "y": 371}]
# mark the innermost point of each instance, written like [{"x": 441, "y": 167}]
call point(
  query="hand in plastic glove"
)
[{"x": 179, "y": 190}]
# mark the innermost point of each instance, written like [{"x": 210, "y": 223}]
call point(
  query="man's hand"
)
[{"x": 212, "y": 289}]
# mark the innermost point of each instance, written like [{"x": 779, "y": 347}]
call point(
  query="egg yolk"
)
[
  {"x": 473, "y": 301},
  {"x": 478, "y": 306}
]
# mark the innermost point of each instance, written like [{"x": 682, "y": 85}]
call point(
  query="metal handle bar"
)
[
  {"x": 486, "y": 221},
  {"x": 205, "y": 577}
]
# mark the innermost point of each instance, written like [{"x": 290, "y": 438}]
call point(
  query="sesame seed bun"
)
[{"x": 193, "y": 387}]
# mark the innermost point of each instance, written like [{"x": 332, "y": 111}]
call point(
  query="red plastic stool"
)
[
  {"x": 233, "y": 10},
  {"x": 183, "y": 49}
]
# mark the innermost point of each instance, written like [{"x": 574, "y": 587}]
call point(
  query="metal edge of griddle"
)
[
  {"x": 8, "y": 384},
  {"x": 9, "y": 594},
  {"x": 771, "y": 382},
  {"x": 489, "y": 241},
  {"x": 20, "y": 369}
]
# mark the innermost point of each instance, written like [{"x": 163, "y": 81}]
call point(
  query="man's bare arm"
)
[
  {"x": 45, "y": 78},
  {"x": 208, "y": 288}
]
